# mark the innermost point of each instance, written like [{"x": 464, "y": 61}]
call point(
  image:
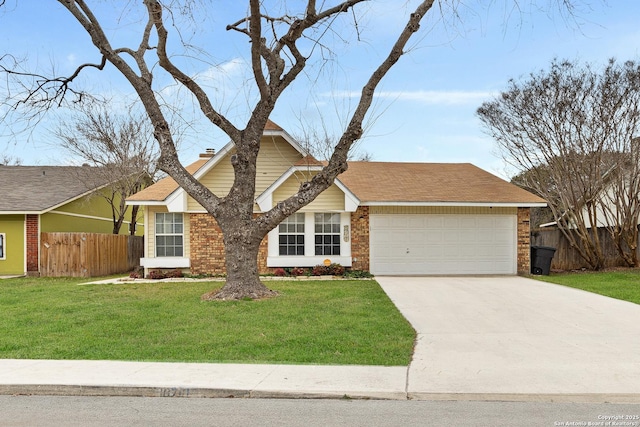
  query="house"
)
[
  {"x": 37, "y": 199},
  {"x": 387, "y": 218}
]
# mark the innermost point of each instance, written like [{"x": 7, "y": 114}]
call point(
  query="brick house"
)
[{"x": 387, "y": 218}]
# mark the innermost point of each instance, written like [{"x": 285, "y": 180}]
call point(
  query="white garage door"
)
[{"x": 443, "y": 244}]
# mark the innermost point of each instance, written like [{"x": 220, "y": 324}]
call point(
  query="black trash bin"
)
[{"x": 541, "y": 257}]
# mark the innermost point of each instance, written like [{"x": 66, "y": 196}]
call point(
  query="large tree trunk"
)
[{"x": 241, "y": 248}]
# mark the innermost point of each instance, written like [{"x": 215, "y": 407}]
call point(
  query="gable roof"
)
[
  {"x": 163, "y": 188},
  {"x": 380, "y": 183},
  {"x": 431, "y": 183},
  {"x": 38, "y": 189}
]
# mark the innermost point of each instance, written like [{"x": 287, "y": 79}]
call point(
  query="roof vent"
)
[{"x": 209, "y": 152}]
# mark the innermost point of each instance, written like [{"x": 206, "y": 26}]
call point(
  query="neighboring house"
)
[
  {"x": 37, "y": 199},
  {"x": 387, "y": 218}
]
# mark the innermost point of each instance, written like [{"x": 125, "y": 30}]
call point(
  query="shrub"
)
[
  {"x": 159, "y": 274},
  {"x": 357, "y": 274},
  {"x": 320, "y": 270},
  {"x": 336, "y": 269},
  {"x": 279, "y": 272},
  {"x": 298, "y": 271},
  {"x": 175, "y": 273}
]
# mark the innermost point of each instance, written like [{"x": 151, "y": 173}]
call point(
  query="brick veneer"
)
[
  {"x": 207, "y": 249},
  {"x": 360, "y": 239},
  {"x": 524, "y": 241},
  {"x": 33, "y": 245}
]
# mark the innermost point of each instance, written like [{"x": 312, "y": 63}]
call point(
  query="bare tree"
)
[
  {"x": 569, "y": 128},
  {"x": 321, "y": 143},
  {"x": 7, "y": 160},
  {"x": 123, "y": 148},
  {"x": 282, "y": 41}
]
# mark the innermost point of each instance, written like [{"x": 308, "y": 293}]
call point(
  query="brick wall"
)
[
  {"x": 207, "y": 248},
  {"x": 360, "y": 239},
  {"x": 524, "y": 241},
  {"x": 33, "y": 245}
]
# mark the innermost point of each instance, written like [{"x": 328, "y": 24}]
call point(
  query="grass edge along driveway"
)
[
  {"x": 349, "y": 322},
  {"x": 623, "y": 284}
]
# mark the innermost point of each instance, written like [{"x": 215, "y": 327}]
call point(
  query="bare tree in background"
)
[
  {"x": 7, "y": 160},
  {"x": 283, "y": 39},
  {"x": 121, "y": 146},
  {"x": 571, "y": 129}
]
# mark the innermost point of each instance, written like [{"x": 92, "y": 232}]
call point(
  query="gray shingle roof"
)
[{"x": 38, "y": 188}]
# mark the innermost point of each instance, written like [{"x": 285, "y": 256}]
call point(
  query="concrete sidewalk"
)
[{"x": 112, "y": 378}]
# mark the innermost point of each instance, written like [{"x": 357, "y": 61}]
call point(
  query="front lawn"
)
[
  {"x": 622, "y": 284},
  {"x": 311, "y": 322}
]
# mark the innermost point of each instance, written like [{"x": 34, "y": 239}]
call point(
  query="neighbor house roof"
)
[
  {"x": 384, "y": 182},
  {"x": 37, "y": 189}
]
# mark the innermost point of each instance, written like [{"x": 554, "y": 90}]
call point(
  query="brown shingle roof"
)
[
  {"x": 272, "y": 126},
  {"x": 431, "y": 183},
  {"x": 380, "y": 182},
  {"x": 163, "y": 188},
  {"x": 39, "y": 188}
]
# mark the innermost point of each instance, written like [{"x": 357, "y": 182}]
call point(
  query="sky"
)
[{"x": 424, "y": 110}]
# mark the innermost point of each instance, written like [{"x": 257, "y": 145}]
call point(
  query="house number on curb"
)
[{"x": 174, "y": 392}]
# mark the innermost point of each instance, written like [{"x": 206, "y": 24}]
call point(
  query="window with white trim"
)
[
  {"x": 2, "y": 245},
  {"x": 327, "y": 233},
  {"x": 291, "y": 235},
  {"x": 169, "y": 234}
]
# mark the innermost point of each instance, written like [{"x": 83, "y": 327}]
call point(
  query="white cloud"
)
[{"x": 430, "y": 97}]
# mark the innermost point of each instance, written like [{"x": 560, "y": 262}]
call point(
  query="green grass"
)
[
  {"x": 311, "y": 322},
  {"x": 623, "y": 284}
]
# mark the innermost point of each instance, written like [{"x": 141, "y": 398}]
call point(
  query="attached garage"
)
[{"x": 443, "y": 244}]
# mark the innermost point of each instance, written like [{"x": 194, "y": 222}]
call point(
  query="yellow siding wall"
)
[
  {"x": 461, "y": 210},
  {"x": 276, "y": 156},
  {"x": 332, "y": 199},
  {"x": 150, "y": 228}
]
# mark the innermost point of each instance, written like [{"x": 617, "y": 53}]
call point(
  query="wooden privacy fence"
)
[
  {"x": 566, "y": 257},
  {"x": 88, "y": 254}
]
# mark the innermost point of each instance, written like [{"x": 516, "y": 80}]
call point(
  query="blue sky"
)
[{"x": 425, "y": 108}]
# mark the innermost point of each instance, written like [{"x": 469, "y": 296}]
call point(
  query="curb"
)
[
  {"x": 181, "y": 392},
  {"x": 215, "y": 393}
]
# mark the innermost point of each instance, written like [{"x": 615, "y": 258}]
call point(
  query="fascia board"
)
[{"x": 458, "y": 204}]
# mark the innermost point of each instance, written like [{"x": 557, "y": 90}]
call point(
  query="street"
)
[{"x": 133, "y": 411}]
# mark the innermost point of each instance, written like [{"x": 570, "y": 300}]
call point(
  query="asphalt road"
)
[{"x": 16, "y": 411}]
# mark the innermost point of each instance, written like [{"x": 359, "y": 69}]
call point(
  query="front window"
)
[
  {"x": 327, "y": 233},
  {"x": 169, "y": 234},
  {"x": 2, "y": 237},
  {"x": 291, "y": 235}
]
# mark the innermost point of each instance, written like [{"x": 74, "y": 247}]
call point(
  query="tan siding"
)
[
  {"x": 186, "y": 241},
  {"x": 275, "y": 158},
  {"x": 460, "y": 210},
  {"x": 150, "y": 229},
  {"x": 332, "y": 199}
]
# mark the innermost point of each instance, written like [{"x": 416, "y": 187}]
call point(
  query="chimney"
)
[{"x": 209, "y": 152}]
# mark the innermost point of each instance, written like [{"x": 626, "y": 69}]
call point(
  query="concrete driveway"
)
[{"x": 513, "y": 338}]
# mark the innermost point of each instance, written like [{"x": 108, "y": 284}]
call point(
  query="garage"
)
[{"x": 446, "y": 244}]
